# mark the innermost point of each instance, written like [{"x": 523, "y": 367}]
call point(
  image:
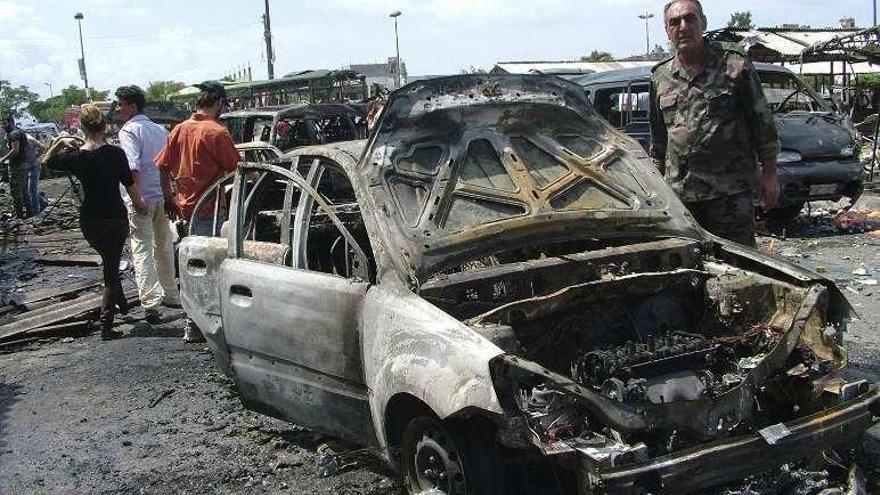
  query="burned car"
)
[
  {"x": 258, "y": 151},
  {"x": 497, "y": 279},
  {"x": 819, "y": 158},
  {"x": 290, "y": 126}
]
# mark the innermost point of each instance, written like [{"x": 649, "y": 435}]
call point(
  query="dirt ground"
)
[{"x": 151, "y": 414}]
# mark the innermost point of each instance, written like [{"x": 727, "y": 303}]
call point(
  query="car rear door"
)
[
  {"x": 199, "y": 260},
  {"x": 292, "y": 332}
]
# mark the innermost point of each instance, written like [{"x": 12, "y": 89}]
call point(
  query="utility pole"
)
[
  {"x": 395, "y": 15},
  {"x": 646, "y": 16},
  {"x": 267, "y": 33},
  {"x": 874, "y": 2},
  {"x": 82, "y": 52}
]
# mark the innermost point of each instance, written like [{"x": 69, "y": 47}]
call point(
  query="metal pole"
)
[
  {"x": 270, "y": 55},
  {"x": 82, "y": 52},
  {"x": 397, "y": 49},
  {"x": 395, "y": 15},
  {"x": 51, "y": 94},
  {"x": 646, "y": 16},
  {"x": 874, "y": 2}
]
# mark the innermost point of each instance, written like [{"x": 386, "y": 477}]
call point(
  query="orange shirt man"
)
[{"x": 200, "y": 150}]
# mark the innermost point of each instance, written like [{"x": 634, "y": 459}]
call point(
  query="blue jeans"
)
[{"x": 33, "y": 180}]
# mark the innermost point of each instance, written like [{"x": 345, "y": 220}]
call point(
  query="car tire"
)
[
  {"x": 449, "y": 457},
  {"x": 780, "y": 218}
]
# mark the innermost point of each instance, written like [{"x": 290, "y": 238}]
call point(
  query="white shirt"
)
[{"x": 142, "y": 139}]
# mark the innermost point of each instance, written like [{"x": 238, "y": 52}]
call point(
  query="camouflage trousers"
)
[
  {"x": 18, "y": 189},
  {"x": 731, "y": 217}
]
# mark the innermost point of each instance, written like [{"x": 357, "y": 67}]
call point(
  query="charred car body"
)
[
  {"x": 819, "y": 158},
  {"x": 499, "y": 276},
  {"x": 288, "y": 127}
]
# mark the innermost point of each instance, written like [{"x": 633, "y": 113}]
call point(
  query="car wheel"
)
[
  {"x": 780, "y": 218},
  {"x": 449, "y": 458}
]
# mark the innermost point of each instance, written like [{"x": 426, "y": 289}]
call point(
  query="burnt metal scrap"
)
[{"x": 502, "y": 268}]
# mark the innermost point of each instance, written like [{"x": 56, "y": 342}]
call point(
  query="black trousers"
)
[{"x": 107, "y": 236}]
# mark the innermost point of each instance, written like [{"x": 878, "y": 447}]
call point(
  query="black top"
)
[
  {"x": 13, "y": 136},
  {"x": 100, "y": 171}
]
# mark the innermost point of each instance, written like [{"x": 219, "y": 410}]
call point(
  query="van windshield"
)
[{"x": 785, "y": 93}]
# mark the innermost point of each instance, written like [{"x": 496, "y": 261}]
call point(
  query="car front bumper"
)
[
  {"x": 736, "y": 458},
  {"x": 819, "y": 180}
]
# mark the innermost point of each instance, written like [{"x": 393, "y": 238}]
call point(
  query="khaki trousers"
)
[{"x": 152, "y": 247}]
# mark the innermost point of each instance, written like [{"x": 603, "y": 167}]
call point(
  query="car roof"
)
[{"x": 644, "y": 73}]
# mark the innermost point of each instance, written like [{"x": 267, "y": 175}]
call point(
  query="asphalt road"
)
[{"x": 150, "y": 414}]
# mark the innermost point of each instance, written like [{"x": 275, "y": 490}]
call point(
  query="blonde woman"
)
[{"x": 103, "y": 219}]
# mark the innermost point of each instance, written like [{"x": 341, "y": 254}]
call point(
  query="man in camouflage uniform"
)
[{"x": 709, "y": 123}]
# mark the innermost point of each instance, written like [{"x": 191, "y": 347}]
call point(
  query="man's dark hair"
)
[
  {"x": 695, "y": 2},
  {"x": 132, "y": 94},
  {"x": 211, "y": 92}
]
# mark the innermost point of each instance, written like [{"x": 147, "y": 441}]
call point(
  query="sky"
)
[{"x": 131, "y": 41}]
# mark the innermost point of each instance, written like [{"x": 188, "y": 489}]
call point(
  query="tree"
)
[
  {"x": 473, "y": 70},
  {"x": 52, "y": 109},
  {"x": 161, "y": 90},
  {"x": 741, "y": 20},
  {"x": 597, "y": 56},
  {"x": 14, "y": 99}
]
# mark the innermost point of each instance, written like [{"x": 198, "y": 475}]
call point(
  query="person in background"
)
[
  {"x": 18, "y": 145},
  {"x": 152, "y": 240},
  {"x": 711, "y": 126},
  {"x": 34, "y": 169},
  {"x": 199, "y": 151},
  {"x": 103, "y": 219}
]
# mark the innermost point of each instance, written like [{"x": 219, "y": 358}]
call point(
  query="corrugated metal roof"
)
[{"x": 526, "y": 67}]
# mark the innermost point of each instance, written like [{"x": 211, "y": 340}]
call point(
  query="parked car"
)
[
  {"x": 498, "y": 286},
  {"x": 287, "y": 127},
  {"x": 819, "y": 158},
  {"x": 258, "y": 151}
]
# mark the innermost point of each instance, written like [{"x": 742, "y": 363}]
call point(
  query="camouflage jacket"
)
[{"x": 707, "y": 130}]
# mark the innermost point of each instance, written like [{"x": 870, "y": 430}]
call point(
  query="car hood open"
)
[{"x": 464, "y": 166}]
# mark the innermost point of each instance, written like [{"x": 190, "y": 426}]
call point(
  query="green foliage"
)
[
  {"x": 868, "y": 81},
  {"x": 52, "y": 109},
  {"x": 15, "y": 99},
  {"x": 473, "y": 70},
  {"x": 741, "y": 20},
  {"x": 597, "y": 56},
  {"x": 161, "y": 90}
]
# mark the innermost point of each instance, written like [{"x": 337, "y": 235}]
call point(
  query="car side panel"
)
[
  {"x": 294, "y": 346},
  {"x": 412, "y": 347},
  {"x": 200, "y": 258}
]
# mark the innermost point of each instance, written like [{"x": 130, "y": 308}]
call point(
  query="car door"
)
[
  {"x": 292, "y": 331},
  {"x": 199, "y": 261}
]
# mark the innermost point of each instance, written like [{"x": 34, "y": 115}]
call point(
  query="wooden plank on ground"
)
[
  {"x": 57, "y": 313},
  {"x": 52, "y": 238},
  {"x": 69, "y": 259},
  {"x": 30, "y": 298}
]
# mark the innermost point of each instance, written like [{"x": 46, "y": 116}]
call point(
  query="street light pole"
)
[
  {"x": 395, "y": 15},
  {"x": 646, "y": 16},
  {"x": 51, "y": 94},
  {"x": 874, "y": 3},
  {"x": 82, "y": 52}
]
